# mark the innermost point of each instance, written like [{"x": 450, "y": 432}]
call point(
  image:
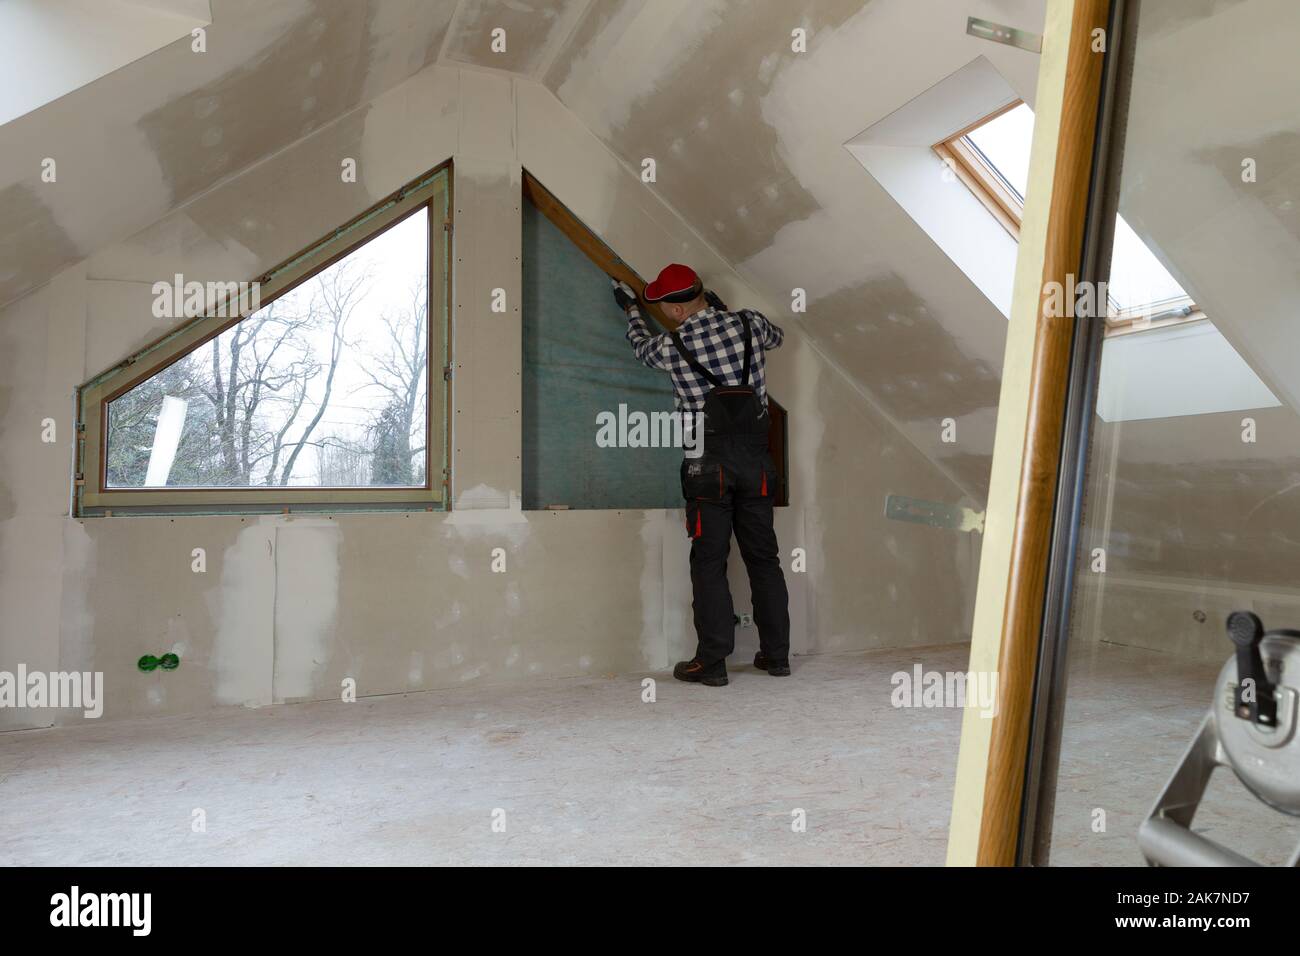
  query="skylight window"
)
[
  {"x": 1003, "y": 142},
  {"x": 992, "y": 159},
  {"x": 1139, "y": 285}
]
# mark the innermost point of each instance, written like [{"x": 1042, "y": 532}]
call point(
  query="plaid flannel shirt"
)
[{"x": 717, "y": 341}]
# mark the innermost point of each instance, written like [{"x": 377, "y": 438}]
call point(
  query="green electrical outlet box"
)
[{"x": 168, "y": 662}]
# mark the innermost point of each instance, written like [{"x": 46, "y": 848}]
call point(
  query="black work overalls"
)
[{"x": 732, "y": 487}]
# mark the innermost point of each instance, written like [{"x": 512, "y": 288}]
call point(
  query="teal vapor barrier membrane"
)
[{"x": 577, "y": 365}]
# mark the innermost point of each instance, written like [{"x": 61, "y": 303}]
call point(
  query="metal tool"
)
[
  {"x": 937, "y": 514},
  {"x": 1252, "y": 729}
]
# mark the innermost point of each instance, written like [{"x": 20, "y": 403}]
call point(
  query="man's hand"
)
[
  {"x": 711, "y": 297},
  {"x": 624, "y": 295}
]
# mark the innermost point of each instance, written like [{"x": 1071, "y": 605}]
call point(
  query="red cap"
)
[{"x": 675, "y": 280}]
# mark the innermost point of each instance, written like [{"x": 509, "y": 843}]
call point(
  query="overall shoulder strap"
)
[
  {"x": 693, "y": 362},
  {"x": 744, "y": 318}
]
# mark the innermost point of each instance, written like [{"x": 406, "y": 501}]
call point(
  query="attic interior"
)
[{"x": 366, "y": 542}]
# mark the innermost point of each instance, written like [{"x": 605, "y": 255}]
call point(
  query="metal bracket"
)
[
  {"x": 934, "y": 513},
  {"x": 998, "y": 33}
]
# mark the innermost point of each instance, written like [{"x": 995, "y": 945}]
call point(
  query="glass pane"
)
[
  {"x": 1005, "y": 142},
  {"x": 1139, "y": 283},
  {"x": 326, "y": 386},
  {"x": 1193, "y": 485}
]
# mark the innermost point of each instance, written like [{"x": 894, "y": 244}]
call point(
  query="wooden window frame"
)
[
  {"x": 601, "y": 255},
  {"x": 92, "y": 497},
  {"x": 1144, "y": 319},
  {"x": 987, "y": 185},
  {"x": 984, "y": 182}
]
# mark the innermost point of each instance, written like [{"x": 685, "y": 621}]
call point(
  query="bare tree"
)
[
  {"x": 251, "y": 364},
  {"x": 333, "y": 303},
  {"x": 343, "y": 464},
  {"x": 400, "y": 373},
  {"x": 249, "y": 392}
]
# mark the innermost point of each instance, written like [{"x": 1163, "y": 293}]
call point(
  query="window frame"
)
[
  {"x": 988, "y": 186},
  {"x": 984, "y": 182},
  {"x": 92, "y": 497},
  {"x": 1143, "y": 319}
]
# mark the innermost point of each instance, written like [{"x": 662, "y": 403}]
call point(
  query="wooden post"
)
[{"x": 1031, "y": 414}]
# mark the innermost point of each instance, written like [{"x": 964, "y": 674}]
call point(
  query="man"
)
[{"x": 716, "y": 360}]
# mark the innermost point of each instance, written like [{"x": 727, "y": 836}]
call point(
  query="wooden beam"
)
[
  {"x": 1048, "y": 380},
  {"x": 601, "y": 255}
]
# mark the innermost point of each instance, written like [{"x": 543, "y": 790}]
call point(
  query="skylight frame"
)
[
  {"x": 981, "y": 177},
  {"x": 987, "y": 183}
]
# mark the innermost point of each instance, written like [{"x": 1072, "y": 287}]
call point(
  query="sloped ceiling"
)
[{"x": 144, "y": 139}]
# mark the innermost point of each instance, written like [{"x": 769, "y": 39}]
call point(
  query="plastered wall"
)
[
  {"x": 1194, "y": 524},
  {"x": 290, "y": 606}
]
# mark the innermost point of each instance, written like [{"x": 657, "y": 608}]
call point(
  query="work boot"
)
[
  {"x": 695, "y": 672},
  {"x": 775, "y": 668}
]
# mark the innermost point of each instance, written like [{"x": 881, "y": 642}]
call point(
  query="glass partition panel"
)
[{"x": 1192, "y": 501}]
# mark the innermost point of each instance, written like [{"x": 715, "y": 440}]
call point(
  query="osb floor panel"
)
[{"x": 585, "y": 772}]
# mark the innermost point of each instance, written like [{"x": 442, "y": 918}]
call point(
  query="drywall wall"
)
[
  {"x": 1183, "y": 618},
  {"x": 1192, "y": 523},
  {"x": 289, "y": 606},
  {"x": 1188, "y": 497}
]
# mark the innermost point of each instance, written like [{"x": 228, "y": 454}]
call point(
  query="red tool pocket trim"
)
[{"x": 763, "y": 490}]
